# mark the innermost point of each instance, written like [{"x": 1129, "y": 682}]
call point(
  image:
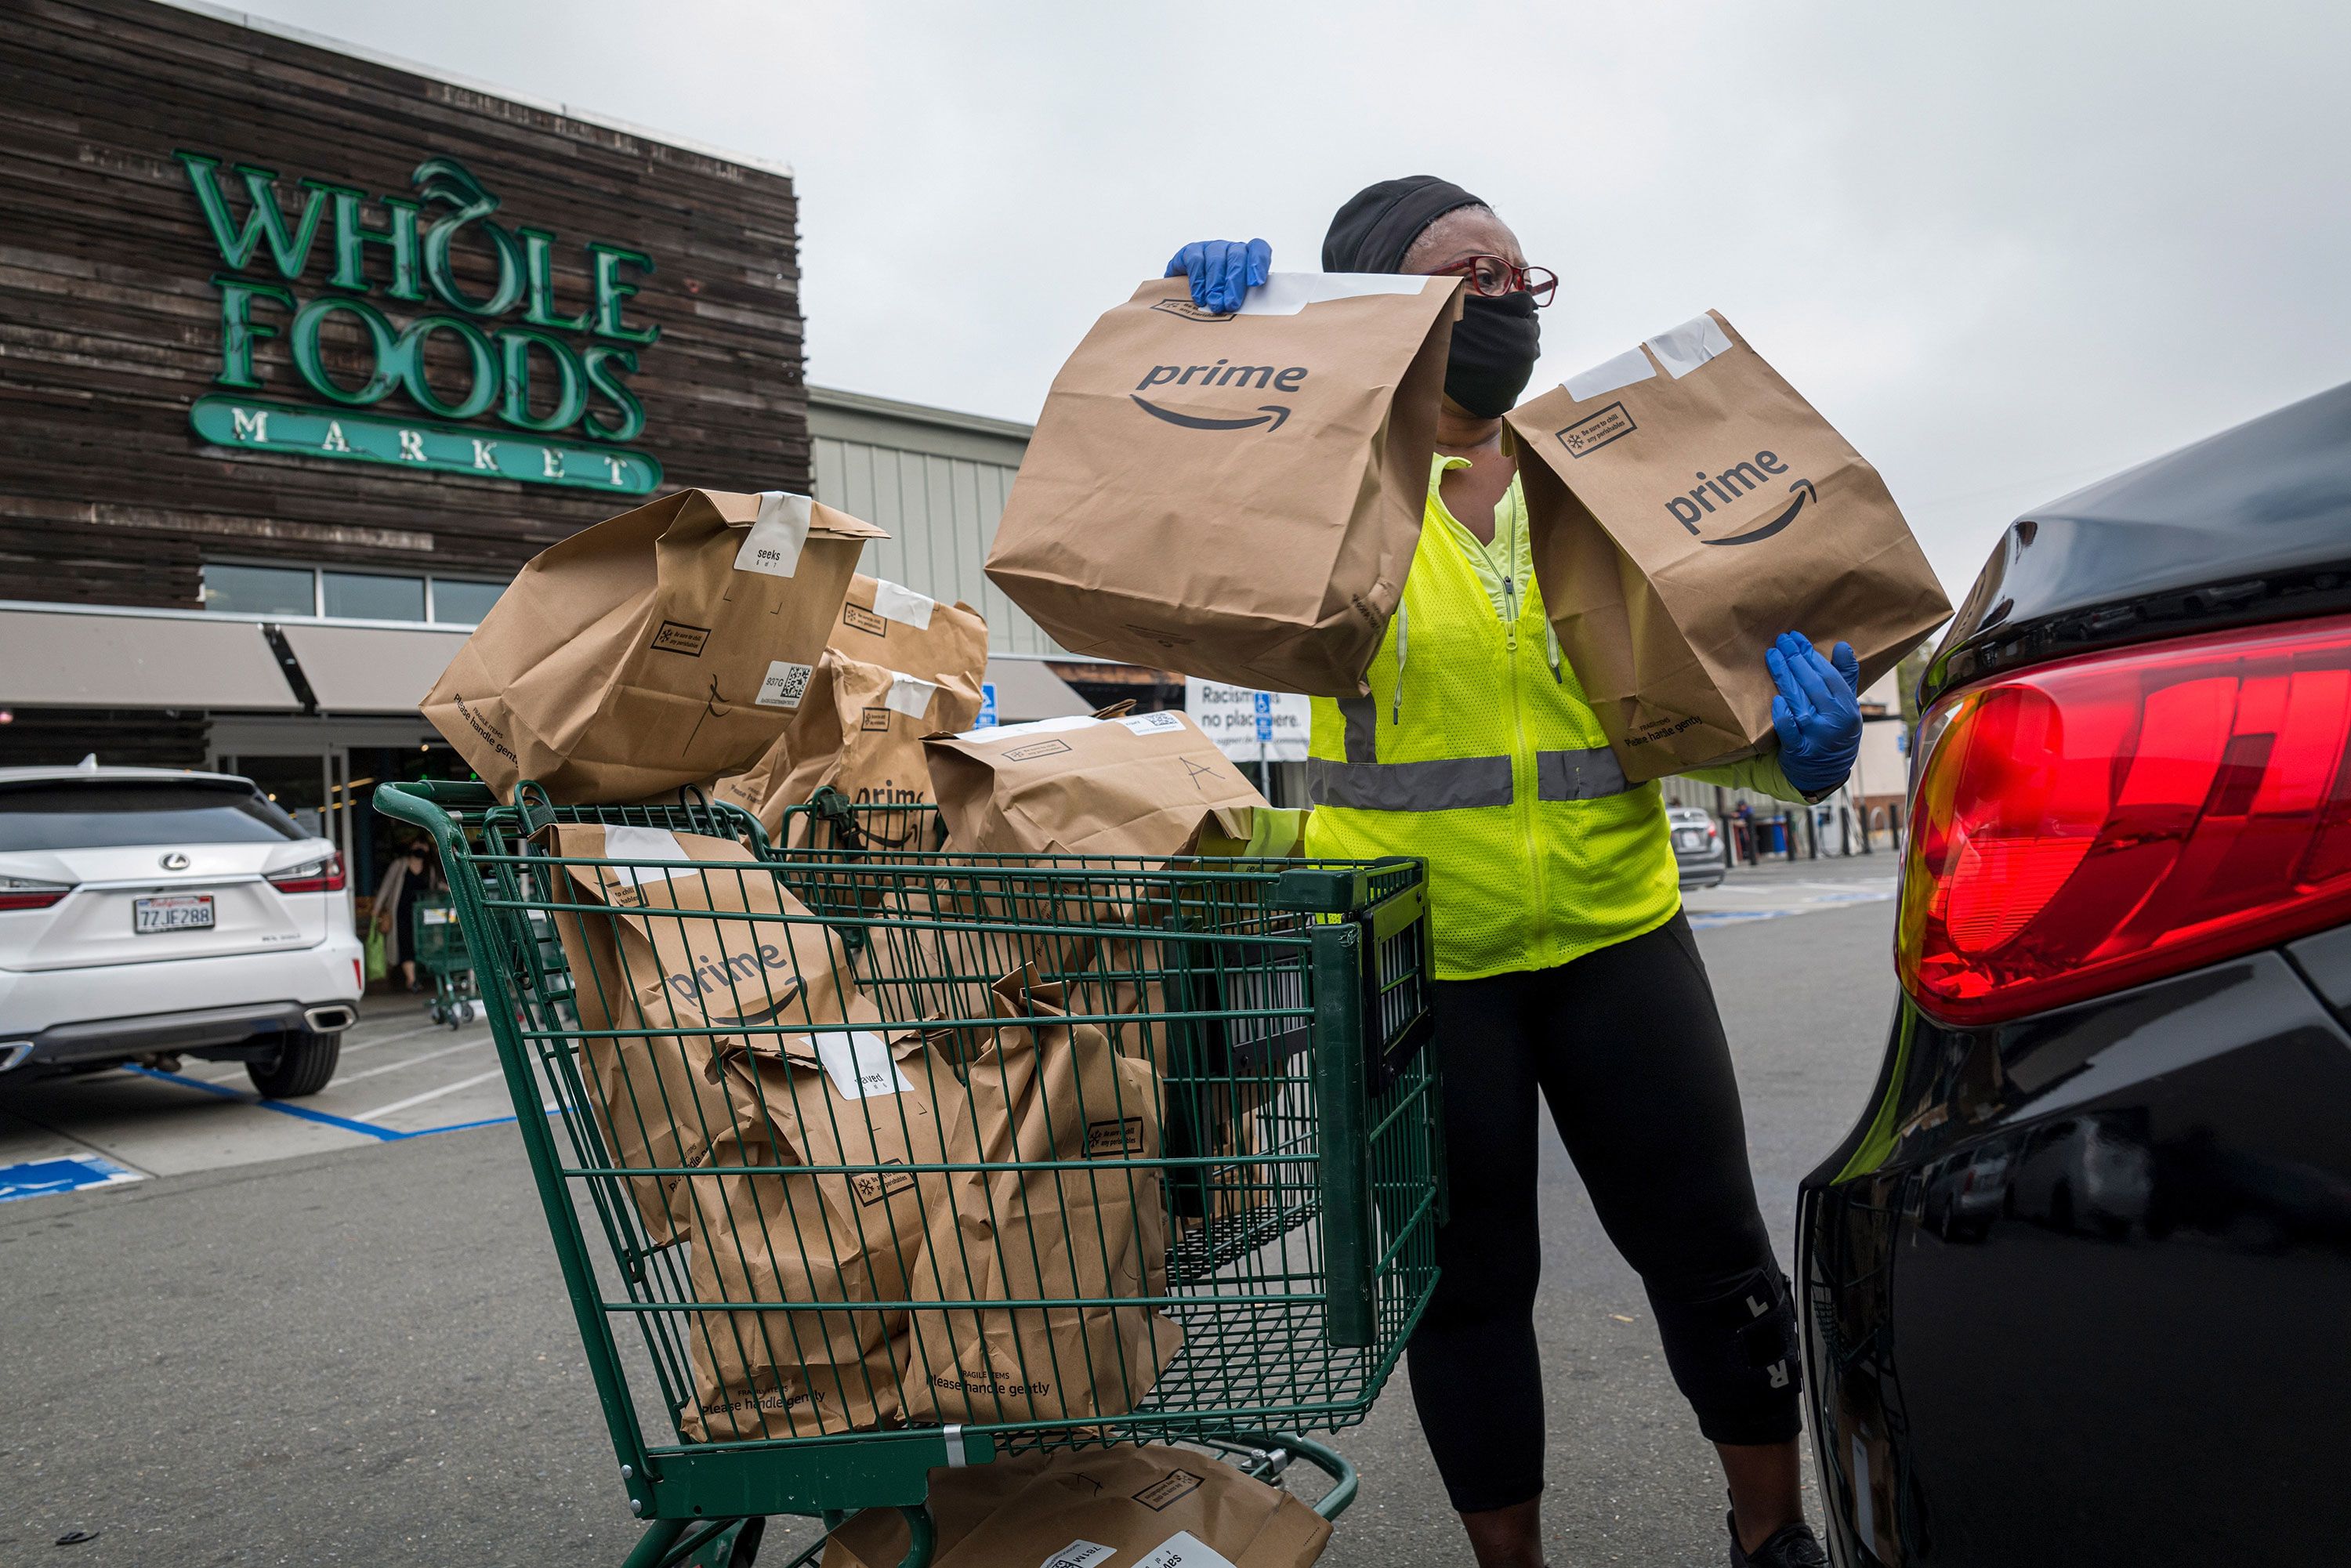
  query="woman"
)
[
  {"x": 409, "y": 878},
  {"x": 1565, "y": 969}
]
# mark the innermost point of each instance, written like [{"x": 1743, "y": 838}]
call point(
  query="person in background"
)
[
  {"x": 1565, "y": 970},
  {"x": 409, "y": 878}
]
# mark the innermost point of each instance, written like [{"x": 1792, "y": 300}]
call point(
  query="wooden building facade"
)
[{"x": 304, "y": 354}]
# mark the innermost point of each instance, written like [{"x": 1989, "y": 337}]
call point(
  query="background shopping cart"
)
[
  {"x": 437, "y": 939},
  {"x": 1297, "y": 1176}
]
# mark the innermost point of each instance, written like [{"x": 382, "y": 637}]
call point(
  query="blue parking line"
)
[
  {"x": 465, "y": 1127},
  {"x": 382, "y": 1135},
  {"x": 303, "y": 1111}
]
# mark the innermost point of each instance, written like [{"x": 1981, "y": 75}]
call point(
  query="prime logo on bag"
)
[
  {"x": 1222, "y": 373},
  {"x": 1662, "y": 626}
]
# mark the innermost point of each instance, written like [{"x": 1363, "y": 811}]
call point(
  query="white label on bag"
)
[
  {"x": 1185, "y": 1550},
  {"x": 1688, "y": 346},
  {"x": 858, "y": 1063},
  {"x": 627, "y": 843},
  {"x": 786, "y": 684},
  {"x": 904, "y": 605},
  {"x": 777, "y": 535},
  {"x": 1080, "y": 1553},
  {"x": 992, "y": 734},
  {"x": 1288, "y": 293},
  {"x": 1626, "y": 368},
  {"x": 1152, "y": 723},
  {"x": 909, "y": 695}
]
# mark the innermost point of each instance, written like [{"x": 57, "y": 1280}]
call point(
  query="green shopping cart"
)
[
  {"x": 860, "y": 1162},
  {"x": 436, "y": 940}
]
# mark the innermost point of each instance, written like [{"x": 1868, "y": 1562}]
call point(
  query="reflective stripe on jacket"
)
[{"x": 1476, "y": 751}]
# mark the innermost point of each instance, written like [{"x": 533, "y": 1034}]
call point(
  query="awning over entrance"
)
[
  {"x": 371, "y": 669},
  {"x": 1026, "y": 689},
  {"x": 68, "y": 660}
]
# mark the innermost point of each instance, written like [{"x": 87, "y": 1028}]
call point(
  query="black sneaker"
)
[{"x": 1790, "y": 1546}]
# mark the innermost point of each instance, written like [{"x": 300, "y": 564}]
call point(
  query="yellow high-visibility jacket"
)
[{"x": 1477, "y": 752}]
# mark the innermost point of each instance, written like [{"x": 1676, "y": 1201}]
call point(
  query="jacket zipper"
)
[
  {"x": 1538, "y": 922},
  {"x": 1403, "y": 633}
]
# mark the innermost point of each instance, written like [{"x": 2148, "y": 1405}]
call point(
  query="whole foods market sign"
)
[{"x": 535, "y": 394}]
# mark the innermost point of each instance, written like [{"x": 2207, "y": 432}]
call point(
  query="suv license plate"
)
[{"x": 177, "y": 912}]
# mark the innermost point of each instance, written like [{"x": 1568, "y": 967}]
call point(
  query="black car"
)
[{"x": 2078, "y": 1289}]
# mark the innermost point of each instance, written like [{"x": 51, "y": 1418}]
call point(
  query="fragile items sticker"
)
[{"x": 786, "y": 684}]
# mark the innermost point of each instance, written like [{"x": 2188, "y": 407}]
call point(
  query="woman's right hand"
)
[{"x": 1222, "y": 271}]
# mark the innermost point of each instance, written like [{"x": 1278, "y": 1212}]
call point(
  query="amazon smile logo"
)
[
  {"x": 1222, "y": 374},
  {"x": 1734, "y": 483}
]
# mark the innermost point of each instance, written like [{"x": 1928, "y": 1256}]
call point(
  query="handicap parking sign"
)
[{"x": 986, "y": 706}]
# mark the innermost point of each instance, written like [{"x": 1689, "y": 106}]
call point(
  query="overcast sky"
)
[{"x": 2006, "y": 249}]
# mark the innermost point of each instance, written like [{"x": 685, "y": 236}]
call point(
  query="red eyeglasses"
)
[{"x": 1494, "y": 274}]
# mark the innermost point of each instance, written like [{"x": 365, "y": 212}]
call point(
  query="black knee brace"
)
[{"x": 1735, "y": 1358}]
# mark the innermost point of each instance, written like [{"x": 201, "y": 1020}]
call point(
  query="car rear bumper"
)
[
  {"x": 2073, "y": 1291},
  {"x": 111, "y": 1011},
  {"x": 1701, "y": 870},
  {"x": 194, "y": 1030}
]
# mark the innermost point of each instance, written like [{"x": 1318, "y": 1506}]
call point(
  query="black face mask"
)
[{"x": 1495, "y": 346}]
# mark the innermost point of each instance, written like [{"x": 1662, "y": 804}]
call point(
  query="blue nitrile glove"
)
[
  {"x": 1817, "y": 712},
  {"x": 1222, "y": 271}
]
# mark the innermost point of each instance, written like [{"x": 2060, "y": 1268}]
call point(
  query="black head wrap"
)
[
  {"x": 1497, "y": 341},
  {"x": 1379, "y": 224}
]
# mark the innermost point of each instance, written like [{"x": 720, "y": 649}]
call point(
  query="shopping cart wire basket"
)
[{"x": 860, "y": 1161}]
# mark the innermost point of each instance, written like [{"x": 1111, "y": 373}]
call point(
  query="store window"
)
[
  {"x": 233, "y": 588},
  {"x": 260, "y": 590},
  {"x": 453, "y": 599},
  {"x": 367, "y": 596}
]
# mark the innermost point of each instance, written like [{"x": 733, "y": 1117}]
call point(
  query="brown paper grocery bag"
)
[
  {"x": 1144, "y": 785},
  {"x": 637, "y": 969},
  {"x": 654, "y": 649},
  {"x": 1233, "y": 496},
  {"x": 898, "y": 666},
  {"x": 857, "y": 1097},
  {"x": 1687, "y": 507},
  {"x": 1127, "y": 1506},
  {"x": 1043, "y": 1091}
]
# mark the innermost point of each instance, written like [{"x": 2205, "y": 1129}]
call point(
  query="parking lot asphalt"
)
[
  {"x": 357, "y": 1349},
  {"x": 400, "y": 1076}
]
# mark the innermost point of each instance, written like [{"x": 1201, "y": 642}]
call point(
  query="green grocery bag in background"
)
[{"x": 376, "y": 968}]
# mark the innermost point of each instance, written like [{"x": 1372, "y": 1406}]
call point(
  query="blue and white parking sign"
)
[
  {"x": 1249, "y": 725},
  {"x": 986, "y": 706}
]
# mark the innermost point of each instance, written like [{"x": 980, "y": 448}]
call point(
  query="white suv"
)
[{"x": 146, "y": 914}]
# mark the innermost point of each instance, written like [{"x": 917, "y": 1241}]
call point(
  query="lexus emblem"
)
[{"x": 176, "y": 859}]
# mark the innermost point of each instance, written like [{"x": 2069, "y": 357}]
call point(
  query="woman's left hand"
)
[{"x": 1817, "y": 712}]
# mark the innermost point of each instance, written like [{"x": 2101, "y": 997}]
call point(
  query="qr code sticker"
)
[{"x": 784, "y": 685}]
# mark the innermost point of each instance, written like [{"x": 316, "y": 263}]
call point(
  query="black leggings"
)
[{"x": 1626, "y": 1047}]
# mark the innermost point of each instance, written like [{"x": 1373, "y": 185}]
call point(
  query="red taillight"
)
[
  {"x": 2096, "y": 823},
  {"x": 311, "y": 876},
  {"x": 24, "y": 893}
]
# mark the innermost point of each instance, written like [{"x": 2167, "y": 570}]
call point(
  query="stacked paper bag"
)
[
  {"x": 655, "y": 650},
  {"x": 897, "y": 667},
  {"x": 640, "y": 962},
  {"x": 1045, "y": 1090},
  {"x": 1116, "y": 1508}
]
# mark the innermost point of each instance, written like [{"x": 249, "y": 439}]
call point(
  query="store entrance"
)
[{"x": 324, "y": 773}]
